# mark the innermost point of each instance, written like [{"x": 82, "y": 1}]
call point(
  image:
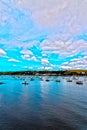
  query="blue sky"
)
[{"x": 39, "y": 35}]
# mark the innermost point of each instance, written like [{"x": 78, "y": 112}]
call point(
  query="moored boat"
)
[
  {"x": 69, "y": 80},
  {"x": 57, "y": 80},
  {"x": 1, "y": 82},
  {"x": 79, "y": 82},
  {"x": 25, "y": 83}
]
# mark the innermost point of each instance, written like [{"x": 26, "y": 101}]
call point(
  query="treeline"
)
[
  {"x": 62, "y": 73},
  {"x": 32, "y": 72}
]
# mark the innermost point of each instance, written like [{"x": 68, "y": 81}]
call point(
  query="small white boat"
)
[
  {"x": 75, "y": 77},
  {"x": 41, "y": 78}
]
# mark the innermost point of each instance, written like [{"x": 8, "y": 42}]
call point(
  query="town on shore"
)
[{"x": 49, "y": 73}]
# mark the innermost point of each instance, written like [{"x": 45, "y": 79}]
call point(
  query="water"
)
[{"x": 42, "y": 105}]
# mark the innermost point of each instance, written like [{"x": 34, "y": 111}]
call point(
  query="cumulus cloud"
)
[
  {"x": 2, "y": 52},
  {"x": 52, "y": 25},
  {"x": 48, "y": 68},
  {"x": 65, "y": 67},
  {"x": 13, "y": 60},
  {"x": 26, "y": 52},
  {"x": 34, "y": 58},
  {"x": 28, "y": 55},
  {"x": 63, "y": 48},
  {"x": 44, "y": 61},
  {"x": 76, "y": 63}
]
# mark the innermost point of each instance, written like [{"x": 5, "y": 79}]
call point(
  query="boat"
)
[
  {"x": 41, "y": 79},
  {"x": 79, "y": 82},
  {"x": 32, "y": 79},
  {"x": 47, "y": 80},
  {"x": 57, "y": 80},
  {"x": 1, "y": 83},
  {"x": 75, "y": 77},
  {"x": 25, "y": 83},
  {"x": 69, "y": 80},
  {"x": 85, "y": 79}
]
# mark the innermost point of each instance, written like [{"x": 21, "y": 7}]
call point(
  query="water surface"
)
[{"x": 42, "y": 105}]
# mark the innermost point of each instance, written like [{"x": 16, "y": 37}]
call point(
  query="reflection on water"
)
[{"x": 42, "y": 105}]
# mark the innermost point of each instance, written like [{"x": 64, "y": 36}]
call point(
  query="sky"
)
[{"x": 43, "y": 34}]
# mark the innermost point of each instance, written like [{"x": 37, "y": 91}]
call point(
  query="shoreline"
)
[{"x": 48, "y": 73}]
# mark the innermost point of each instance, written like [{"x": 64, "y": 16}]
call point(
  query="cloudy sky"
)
[{"x": 43, "y": 34}]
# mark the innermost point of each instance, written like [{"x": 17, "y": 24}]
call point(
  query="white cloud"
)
[
  {"x": 13, "y": 60},
  {"x": 61, "y": 21},
  {"x": 25, "y": 67},
  {"x": 14, "y": 65},
  {"x": 44, "y": 61},
  {"x": 48, "y": 68},
  {"x": 26, "y": 45},
  {"x": 26, "y": 57},
  {"x": 2, "y": 52},
  {"x": 44, "y": 55},
  {"x": 65, "y": 67},
  {"x": 45, "y": 68},
  {"x": 76, "y": 63},
  {"x": 63, "y": 48},
  {"x": 34, "y": 58},
  {"x": 18, "y": 43},
  {"x": 64, "y": 16},
  {"x": 26, "y": 52}
]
